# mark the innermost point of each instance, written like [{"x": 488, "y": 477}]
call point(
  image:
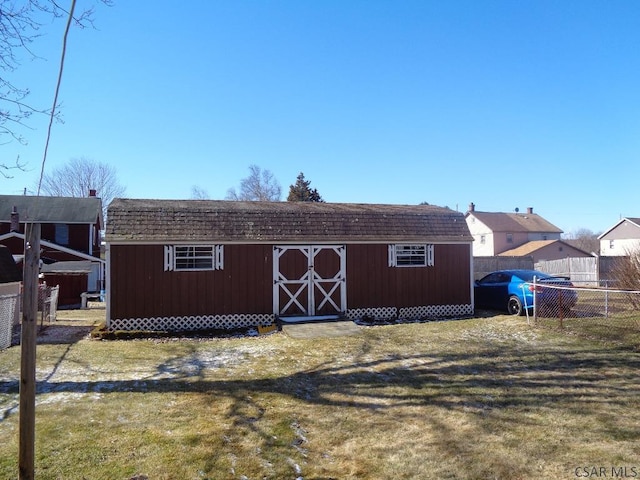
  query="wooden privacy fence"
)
[
  {"x": 484, "y": 265},
  {"x": 583, "y": 270},
  {"x": 579, "y": 269}
]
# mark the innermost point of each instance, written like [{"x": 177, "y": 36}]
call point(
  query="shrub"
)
[{"x": 626, "y": 274}]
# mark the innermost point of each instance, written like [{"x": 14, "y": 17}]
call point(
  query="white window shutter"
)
[
  {"x": 392, "y": 255},
  {"x": 430, "y": 256},
  {"x": 168, "y": 258},
  {"x": 219, "y": 257}
]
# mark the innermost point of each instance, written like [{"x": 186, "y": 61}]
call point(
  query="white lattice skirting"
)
[
  {"x": 192, "y": 323},
  {"x": 410, "y": 313},
  {"x": 377, "y": 313},
  {"x": 247, "y": 320},
  {"x": 435, "y": 311}
]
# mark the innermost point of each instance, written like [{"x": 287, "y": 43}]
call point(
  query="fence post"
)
[
  {"x": 535, "y": 303},
  {"x": 561, "y": 313}
]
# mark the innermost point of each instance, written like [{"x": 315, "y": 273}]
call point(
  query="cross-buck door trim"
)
[{"x": 311, "y": 291}]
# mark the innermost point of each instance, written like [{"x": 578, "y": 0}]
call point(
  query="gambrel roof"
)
[
  {"x": 515, "y": 222},
  {"x": 132, "y": 220},
  {"x": 69, "y": 210}
]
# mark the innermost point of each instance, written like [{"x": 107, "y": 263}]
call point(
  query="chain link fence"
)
[
  {"x": 597, "y": 312},
  {"x": 8, "y": 306}
]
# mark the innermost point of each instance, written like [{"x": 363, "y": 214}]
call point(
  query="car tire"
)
[{"x": 514, "y": 306}]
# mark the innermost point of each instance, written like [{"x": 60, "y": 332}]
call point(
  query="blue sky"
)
[{"x": 507, "y": 104}]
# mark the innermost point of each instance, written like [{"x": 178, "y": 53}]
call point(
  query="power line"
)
[{"x": 55, "y": 97}]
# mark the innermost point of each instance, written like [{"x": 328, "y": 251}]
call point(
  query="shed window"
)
[
  {"x": 509, "y": 237},
  {"x": 411, "y": 255},
  {"x": 193, "y": 257}
]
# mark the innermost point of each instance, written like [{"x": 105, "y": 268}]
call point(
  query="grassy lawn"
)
[{"x": 487, "y": 398}]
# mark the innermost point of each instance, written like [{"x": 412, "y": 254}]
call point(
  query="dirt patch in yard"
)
[
  {"x": 70, "y": 326},
  {"x": 321, "y": 329}
]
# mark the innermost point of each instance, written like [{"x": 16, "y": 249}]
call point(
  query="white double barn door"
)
[{"x": 309, "y": 280}]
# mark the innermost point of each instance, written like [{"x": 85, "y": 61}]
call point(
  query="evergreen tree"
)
[{"x": 301, "y": 192}]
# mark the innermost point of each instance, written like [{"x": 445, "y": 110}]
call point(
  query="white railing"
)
[{"x": 8, "y": 305}]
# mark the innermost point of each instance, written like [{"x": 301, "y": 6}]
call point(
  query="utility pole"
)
[{"x": 28, "y": 351}]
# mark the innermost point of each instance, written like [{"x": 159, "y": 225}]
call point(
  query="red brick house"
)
[{"x": 70, "y": 232}]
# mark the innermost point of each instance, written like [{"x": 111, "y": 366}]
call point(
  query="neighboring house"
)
[
  {"x": 621, "y": 239},
  {"x": 70, "y": 232},
  {"x": 189, "y": 265},
  {"x": 494, "y": 232},
  {"x": 546, "y": 250},
  {"x": 9, "y": 271}
]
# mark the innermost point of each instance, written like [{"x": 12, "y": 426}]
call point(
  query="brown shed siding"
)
[
  {"x": 141, "y": 288},
  {"x": 372, "y": 283}
]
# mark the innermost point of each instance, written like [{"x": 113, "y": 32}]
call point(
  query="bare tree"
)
[
  {"x": 21, "y": 23},
  {"x": 199, "y": 193},
  {"x": 260, "y": 186},
  {"x": 79, "y": 176},
  {"x": 4, "y": 168},
  {"x": 584, "y": 239},
  {"x": 626, "y": 274}
]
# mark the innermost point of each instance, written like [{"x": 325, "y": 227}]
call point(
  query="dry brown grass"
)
[{"x": 486, "y": 398}]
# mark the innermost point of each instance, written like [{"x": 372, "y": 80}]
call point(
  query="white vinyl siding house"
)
[{"x": 621, "y": 239}]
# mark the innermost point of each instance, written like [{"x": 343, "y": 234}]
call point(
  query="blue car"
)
[{"x": 513, "y": 291}]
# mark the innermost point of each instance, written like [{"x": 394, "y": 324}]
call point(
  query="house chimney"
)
[
  {"x": 530, "y": 210},
  {"x": 472, "y": 207},
  {"x": 15, "y": 220},
  {"x": 92, "y": 192}
]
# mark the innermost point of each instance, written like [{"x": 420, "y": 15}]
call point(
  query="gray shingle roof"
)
[
  {"x": 51, "y": 209},
  {"x": 132, "y": 220}
]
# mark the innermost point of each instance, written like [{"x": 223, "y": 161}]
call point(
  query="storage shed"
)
[{"x": 200, "y": 264}]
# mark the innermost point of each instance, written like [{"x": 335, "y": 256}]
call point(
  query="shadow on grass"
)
[
  {"x": 507, "y": 380},
  {"x": 489, "y": 379}
]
